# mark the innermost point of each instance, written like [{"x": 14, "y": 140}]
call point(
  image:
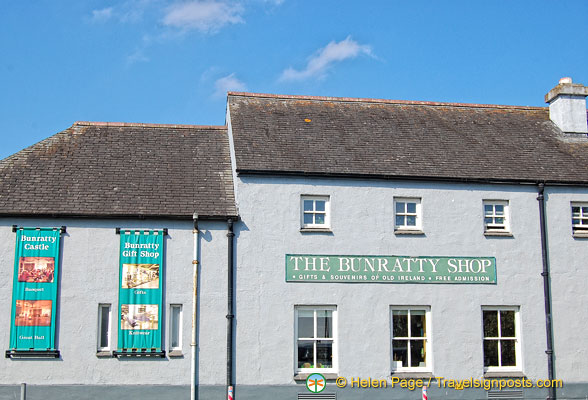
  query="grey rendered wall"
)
[
  {"x": 89, "y": 276},
  {"x": 569, "y": 281},
  {"x": 362, "y": 223}
]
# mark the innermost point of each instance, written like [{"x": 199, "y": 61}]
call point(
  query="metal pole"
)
[
  {"x": 23, "y": 391},
  {"x": 546, "y": 290},
  {"x": 194, "y": 310}
]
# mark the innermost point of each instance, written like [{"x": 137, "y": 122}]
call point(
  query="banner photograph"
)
[
  {"x": 34, "y": 294},
  {"x": 389, "y": 269},
  {"x": 140, "y": 291}
]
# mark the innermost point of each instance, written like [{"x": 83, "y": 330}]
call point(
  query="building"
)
[{"x": 374, "y": 239}]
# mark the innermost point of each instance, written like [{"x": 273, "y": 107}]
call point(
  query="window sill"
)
[
  {"x": 104, "y": 354},
  {"x": 316, "y": 230},
  {"x": 505, "y": 374},
  {"x": 175, "y": 353},
  {"x": 303, "y": 375},
  {"x": 498, "y": 233},
  {"x": 580, "y": 234},
  {"x": 411, "y": 375},
  {"x": 408, "y": 232}
]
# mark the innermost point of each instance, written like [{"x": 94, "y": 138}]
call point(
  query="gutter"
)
[
  {"x": 230, "y": 315},
  {"x": 546, "y": 291},
  {"x": 418, "y": 178}
]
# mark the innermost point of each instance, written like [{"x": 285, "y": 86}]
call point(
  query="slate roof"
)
[
  {"x": 122, "y": 170},
  {"x": 325, "y": 136}
]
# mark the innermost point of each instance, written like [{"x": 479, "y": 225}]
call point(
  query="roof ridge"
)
[
  {"x": 381, "y": 101},
  {"x": 146, "y": 125}
]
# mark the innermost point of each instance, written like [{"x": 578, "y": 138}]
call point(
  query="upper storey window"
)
[
  {"x": 315, "y": 212},
  {"x": 580, "y": 219},
  {"x": 408, "y": 215},
  {"x": 496, "y": 216}
]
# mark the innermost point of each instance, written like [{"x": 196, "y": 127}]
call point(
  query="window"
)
[
  {"x": 496, "y": 216},
  {"x": 175, "y": 328},
  {"x": 501, "y": 338},
  {"x": 580, "y": 219},
  {"x": 316, "y": 347},
  {"x": 315, "y": 212},
  {"x": 408, "y": 214},
  {"x": 410, "y": 339},
  {"x": 104, "y": 327}
]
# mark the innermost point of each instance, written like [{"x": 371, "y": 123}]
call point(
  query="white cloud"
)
[
  {"x": 226, "y": 84},
  {"x": 103, "y": 14},
  {"x": 205, "y": 16},
  {"x": 324, "y": 58}
]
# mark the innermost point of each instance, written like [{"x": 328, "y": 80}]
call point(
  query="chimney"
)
[{"x": 567, "y": 106}]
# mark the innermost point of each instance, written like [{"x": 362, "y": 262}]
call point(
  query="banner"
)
[
  {"x": 390, "y": 269},
  {"x": 34, "y": 293},
  {"x": 140, "y": 291}
]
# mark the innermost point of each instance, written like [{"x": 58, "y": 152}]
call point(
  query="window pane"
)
[
  {"x": 507, "y": 353},
  {"x": 324, "y": 354},
  {"x": 308, "y": 205},
  {"x": 576, "y": 221},
  {"x": 400, "y": 351},
  {"x": 324, "y": 324},
  {"x": 490, "y": 324},
  {"x": 308, "y": 218},
  {"x": 487, "y": 209},
  {"x": 400, "y": 323},
  {"x": 507, "y": 323},
  {"x": 487, "y": 220},
  {"x": 399, "y": 220},
  {"x": 417, "y": 324},
  {"x": 319, "y": 219},
  {"x": 585, "y": 211},
  {"x": 411, "y": 207},
  {"x": 175, "y": 327},
  {"x": 499, "y": 220},
  {"x": 320, "y": 205},
  {"x": 305, "y": 323},
  {"x": 417, "y": 353},
  {"x": 576, "y": 211},
  {"x": 499, "y": 209},
  {"x": 490, "y": 353},
  {"x": 399, "y": 207},
  {"x": 104, "y": 325},
  {"x": 410, "y": 220},
  {"x": 305, "y": 354}
]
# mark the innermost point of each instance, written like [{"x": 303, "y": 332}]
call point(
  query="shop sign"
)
[{"x": 390, "y": 269}]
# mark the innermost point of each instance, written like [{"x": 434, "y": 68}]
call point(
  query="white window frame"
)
[
  {"x": 418, "y": 214},
  {"x": 494, "y": 227},
  {"x": 334, "y": 340},
  {"x": 108, "y": 347},
  {"x": 517, "y": 339},
  {"x": 428, "y": 342},
  {"x": 579, "y": 229},
  {"x": 177, "y": 348},
  {"x": 327, "y": 212}
]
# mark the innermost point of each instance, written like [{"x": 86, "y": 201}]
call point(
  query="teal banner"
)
[
  {"x": 389, "y": 269},
  {"x": 140, "y": 291},
  {"x": 34, "y": 292}
]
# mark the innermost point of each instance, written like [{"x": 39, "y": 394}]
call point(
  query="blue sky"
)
[{"x": 167, "y": 61}]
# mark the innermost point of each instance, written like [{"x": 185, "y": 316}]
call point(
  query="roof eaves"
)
[{"x": 410, "y": 177}]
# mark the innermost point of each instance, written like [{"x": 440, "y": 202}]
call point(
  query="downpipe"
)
[{"x": 546, "y": 291}]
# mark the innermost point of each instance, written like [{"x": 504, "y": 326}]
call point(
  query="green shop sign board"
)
[
  {"x": 34, "y": 292},
  {"x": 140, "y": 291},
  {"x": 389, "y": 269}
]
